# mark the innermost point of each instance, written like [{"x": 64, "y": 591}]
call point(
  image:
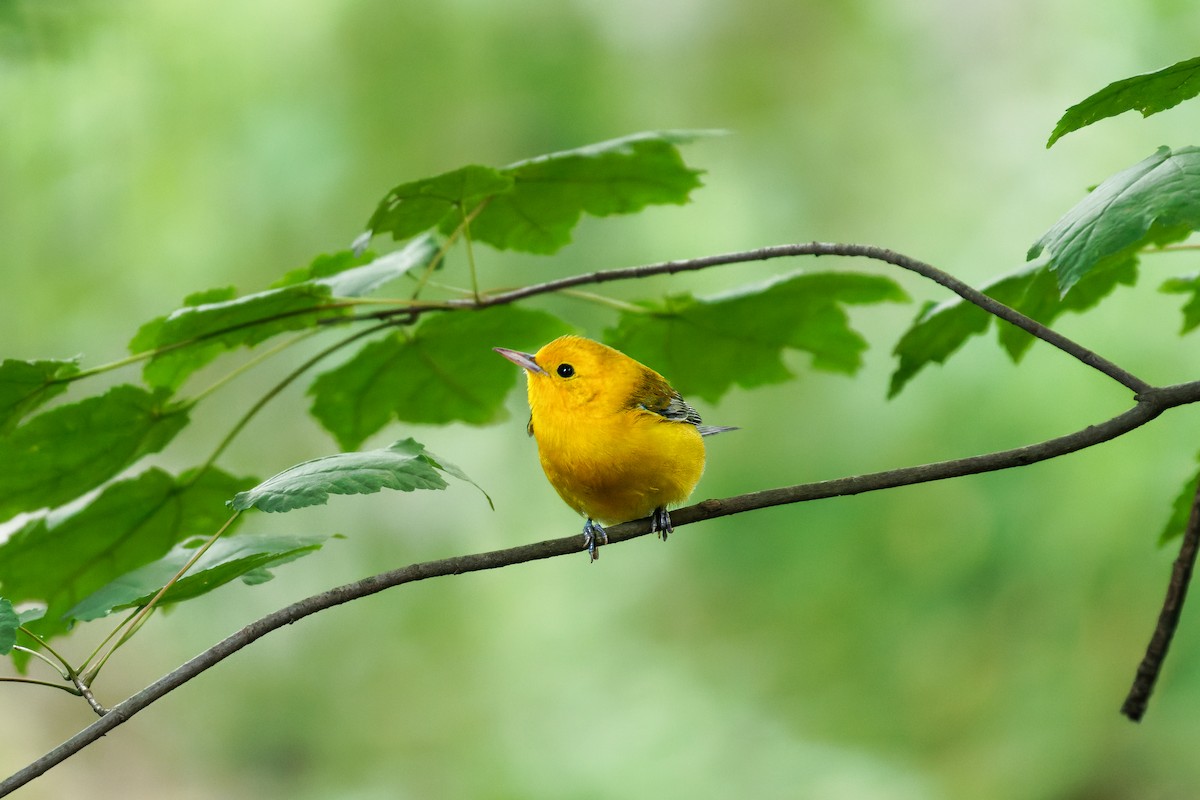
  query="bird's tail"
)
[{"x": 712, "y": 430}]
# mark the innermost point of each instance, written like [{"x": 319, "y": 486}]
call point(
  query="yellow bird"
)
[{"x": 615, "y": 440}]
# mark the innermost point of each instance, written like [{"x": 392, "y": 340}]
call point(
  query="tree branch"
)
[
  {"x": 966, "y": 292},
  {"x": 1148, "y": 670},
  {"x": 1150, "y": 403}
]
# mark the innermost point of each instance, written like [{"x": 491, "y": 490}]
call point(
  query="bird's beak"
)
[{"x": 523, "y": 360}]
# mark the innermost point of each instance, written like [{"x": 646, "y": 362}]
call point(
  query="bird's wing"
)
[
  {"x": 655, "y": 395},
  {"x": 678, "y": 410}
]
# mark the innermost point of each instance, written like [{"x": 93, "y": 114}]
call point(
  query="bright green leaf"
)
[
  {"x": 213, "y": 323},
  {"x": 66, "y": 451},
  {"x": 363, "y": 280},
  {"x": 60, "y": 557},
  {"x": 444, "y": 371},
  {"x": 1154, "y": 202},
  {"x": 248, "y": 556},
  {"x": 550, "y": 192},
  {"x": 532, "y": 206},
  {"x": 323, "y": 266},
  {"x": 940, "y": 330},
  {"x": 1038, "y": 297},
  {"x": 194, "y": 335},
  {"x": 9, "y": 622},
  {"x": 1181, "y": 510},
  {"x": 704, "y": 346},
  {"x": 440, "y": 201},
  {"x": 25, "y": 385},
  {"x": 1188, "y": 284},
  {"x": 1148, "y": 93},
  {"x": 405, "y": 466}
]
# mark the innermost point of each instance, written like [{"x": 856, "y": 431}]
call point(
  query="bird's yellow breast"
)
[{"x": 614, "y": 465}]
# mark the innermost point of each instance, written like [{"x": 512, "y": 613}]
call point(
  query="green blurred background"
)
[{"x": 967, "y": 639}]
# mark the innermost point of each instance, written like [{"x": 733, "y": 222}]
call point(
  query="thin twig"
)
[
  {"x": 1150, "y": 404},
  {"x": 65, "y": 687},
  {"x": 279, "y": 387},
  {"x": 60, "y": 668},
  {"x": 966, "y": 292},
  {"x": 1148, "y": 670},
  {"x": 86, "y": 692},
  {"x": 146, "y": 355}
]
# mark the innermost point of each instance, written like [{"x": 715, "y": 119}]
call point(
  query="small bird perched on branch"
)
[{"x": 615, "y": 440}]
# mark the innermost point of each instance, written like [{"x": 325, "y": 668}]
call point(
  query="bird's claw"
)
[
  {"x": 594, "y": 535},
  {"x": 660, "y": 523}
]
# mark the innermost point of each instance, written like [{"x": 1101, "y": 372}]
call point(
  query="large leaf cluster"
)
[{"x": 93, "y": 530}]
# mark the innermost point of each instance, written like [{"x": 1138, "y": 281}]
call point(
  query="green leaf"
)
[
  {"x": 444, "y": 371},
  {"x": 418, "y": 206},
  {"x": 365, "y": 279},
  {"x": 704, "y": 346},
  {"x": 1037, "y": 296},
  {"x": 25, "y": 385},
  {"x": 532, "y": 206},
  {"x": 60, "y": 557},
  {"x": 551, "y": 192},
  {"x": 938, "y": 331},
  {"x": 196, "y": 334},
  {"x": 941, "y": 329},
  {"x": 246, "y": 556},
  {"x": 32, "y": 614},
  {"x": 9, "y": 622},
  {"x": 1154, "y": 202},
  {"x": 322, "y": 266},
  {"x": 1148, "y": 93},
  {"x": 212, "y": 323},
  {"x": 1181, "y": 510},
  {"x": 62, "y": 453},
  {"x": 1186, "y": 284},
  {"x": 405, "y": 466}
]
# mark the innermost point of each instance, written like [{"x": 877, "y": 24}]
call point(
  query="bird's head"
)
[{"x": 572, "y": 371}]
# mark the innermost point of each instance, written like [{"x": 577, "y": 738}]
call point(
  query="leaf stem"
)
[
  {"x": 132, "y": 624},
  {"x": 249, "y": 364},
  {"x": 63, "y": 667},
  {"x": 111, "y": 634},
  {"x": 61, "y": 670},
  {"x": 458, "y": 231},
  {"x": 65, "y": 687},
  {"x": 158, "y": 351},
  {"x": 467, "y": 244},
  {"x": 434, "y": 263},
  {"x": 1170, "y": 248},
  {"x": 604, "y": 300},
  {"x": 279, "y": 387}
]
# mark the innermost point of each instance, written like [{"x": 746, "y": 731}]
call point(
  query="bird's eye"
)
[{"x": 565, "y": 370}]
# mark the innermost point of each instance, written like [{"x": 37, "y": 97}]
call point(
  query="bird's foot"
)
[
  {"x": 594, "y": 535},
  {"x": 660, "y": 523}
]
